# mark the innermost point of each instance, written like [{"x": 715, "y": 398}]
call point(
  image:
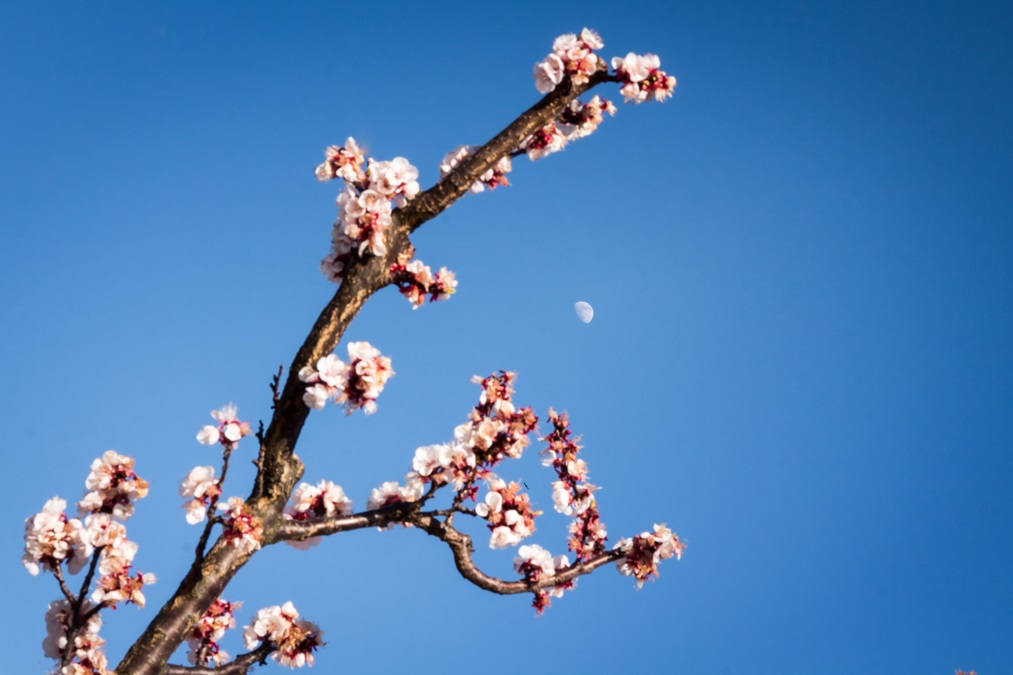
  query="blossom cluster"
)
[
  {"x": 356, "y": 384},
  {"x": 415, "y": 280},
  {"x": 646, "y": 550},
  {"x": 390, "y": 493},
  {"x": 118, "y": 582},
  {"x": 642, "y": 78},
  {"x": 444, "y": 463},
  {"x": 294, "y": 640},
  {"x": 210, "y": 628},
  {"x": 53, "y": 539},
  {"x": 572, "y": 495},
  {"x": 365, "y": 205},
  {"x": 571, "y": 55},
  {"x": 509, "y": 513},
  {"x": 324, "y": 500},
  {"x": 492, "y": 178},
  {"x": 496, "y": 429},
  {"x": 242, "y": 528},
  {"x": 343, "y": 162},
  {"x": 577, "y": 120},
  {"x": 229, "y": 430},
  {"x": 113, "y": 486},
  {"x": 201, "y": 489},
  {"x": 87, "y": 655},
  {"x": 537, "y": 564}
]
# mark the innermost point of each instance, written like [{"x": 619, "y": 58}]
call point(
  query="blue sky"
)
[{"x": 800, "y": 357}]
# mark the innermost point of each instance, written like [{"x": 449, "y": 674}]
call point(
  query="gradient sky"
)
[{"x": 800, "y": 358}]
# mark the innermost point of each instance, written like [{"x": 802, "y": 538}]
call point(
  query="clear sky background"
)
[{"x": 800, "y": 358}]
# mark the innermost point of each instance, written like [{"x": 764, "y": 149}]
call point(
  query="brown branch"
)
[
  {"x": 58, "y": 573},
  {"x": 278, "y": 468},
  {"x": 436, "y": 199},
  {"x": 300, "y": 530},
  {"x": 462, "y": 548},
  {"x": 238, "y": 666}
]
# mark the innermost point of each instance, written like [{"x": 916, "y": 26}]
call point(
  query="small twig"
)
[
  {"x": 462, "y": 548},
  {"x": 276, "y": 386},
  {"x": 58, "y": 573},
  {"x": 238, "y": 666},
  {"x": 212, "y": 520}
]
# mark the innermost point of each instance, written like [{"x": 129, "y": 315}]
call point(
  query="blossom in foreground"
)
[
  {"x": 343, "y": 162},
  {"x": 537, "y": 564},
  {"x": 118, "y": 583},
  {"x": 242, "y": 528},
  {"x": 294, "y": 639},
  {"x": 396, "y": 179},
  {"x": 544, "y": 142},
  {"x": 363, "y": 220},
  {"x": 324, "y": 500},
  {"x": 199, "y": 487},
  {"x": 87, "y": 655},
  {"x": 415, "y": 280},
  {"x": 356, "y": 384},
  {"x": 209, "y": 630},
  {"x": 229, "y": 430},
  {"x": 571, "y": 55},
  {"x": 646, "y": 550},
  {"x": 390, "y": 492},
  {"x": 571, "y": 494},
  {"x": 496, "y": 429},
  {"x": 509, "y": 513},
  {"x": 113, "y": 486},
  {"x": 52, "y": 538},
  {"x": 581, "y": 119},
  {"x": 642, "y": 78}
]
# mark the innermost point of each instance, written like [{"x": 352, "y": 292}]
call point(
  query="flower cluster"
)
[
  {"x": 229, "y": 429},
  {"x": 52, "y": 538},
  {"x": 577, "y": 120},
  {"x": 646, "y": 550},
  {"x": 571, "y": 55},
  {"x": 242, "y": 528},
  {"x": 210, "y": 628},
  {"x": 537, "y": 564},
  {"x": 356, "y": 384},
  {"x": 325, "y": 500},
  {"x": 201, "y": 488},
  {"x": 415, "y": 280},
  {"x": 344, "y": 163},
  {"x": 364, "y": 206},
  {"x": 492, "y": 178},
  {"x": 294, "y": 640},
  {"x": 580, "y": 119},
  {"x": 509, "y": 513},
  {"x": 496, "y": 429},
  {"x": 87, "y": 655},
  {"x": 119, "y": 583},
  {"x": 572, "y": 495},
  {"x": 113, "y": 486},
  {"x": 390, "y": 493},
  {"x": 444, "y": 463},
  {"x": 642, "y": 78}
]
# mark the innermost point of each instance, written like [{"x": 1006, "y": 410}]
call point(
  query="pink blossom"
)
[
  {"x": 344, "y": 163},
  {"x": 294, "y": 639},
  {"x": 229, "y": 430},
  {"x": 242, "y": 528},
  {"x": 200, "y": 486}
]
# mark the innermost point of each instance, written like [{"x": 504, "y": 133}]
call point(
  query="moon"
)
[{"x": 585, "y": 312}]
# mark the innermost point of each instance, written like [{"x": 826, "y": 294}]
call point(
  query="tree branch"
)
[
  {"x": 238, "y": 666},
  {"x": 462, "y": 548},
  {"x": 451, "y": 187},
  {"x": 278, "y": 468}
]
